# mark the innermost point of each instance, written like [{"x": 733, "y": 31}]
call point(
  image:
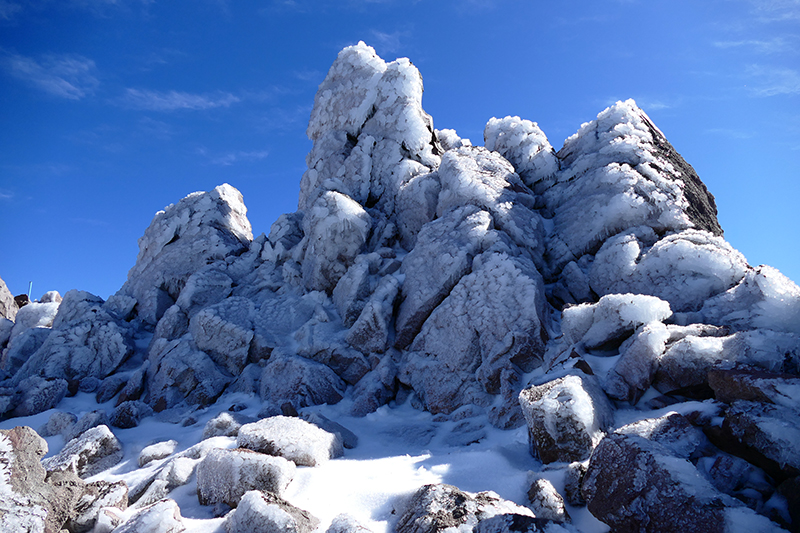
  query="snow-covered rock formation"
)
[{"x": 511, "y": 283}]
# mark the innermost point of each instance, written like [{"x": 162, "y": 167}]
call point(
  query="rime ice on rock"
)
[
  {"x": 526, "y": 147},
  {"x": 203, "y": 227}
]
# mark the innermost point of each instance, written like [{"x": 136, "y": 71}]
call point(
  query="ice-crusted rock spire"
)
[
  {"x": 619, "y": 172},
  {"x": 201, "y": 228},
  {"x": 369, "y": 130}
]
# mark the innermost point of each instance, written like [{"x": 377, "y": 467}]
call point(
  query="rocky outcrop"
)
[{"x": 8, "y": 307}]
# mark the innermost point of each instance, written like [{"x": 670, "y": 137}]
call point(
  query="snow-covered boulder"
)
[
  {"x": 225, "y": 424},
  {"x": 92, "y": 419},
  {"x": 29, "y": 501},
  {"x": 344, "y": 523},
  {"x": 97, "y": 496},
  {"x": 292, "y": 438},
  {"x": 226, "y": 475},
  {"x": 34, "y": 315},
  {"x": 634, "y": 484},
  {"x": 546, "y": 502},
  {"x": 612, "y": 318},
  {"x": 672, "y": 431},
  {"x": 38, "y": 394},
  {"x": 265, "y": 512},
  {"x": 521, "y": 523},
  {"x": 22, "y": 347},
  {"x": 156, "y": 451},
  {"x": 58, "y": 424},
  {"x": 753, "y": 384},
  {"x": 566, "y": 417},
  {"x": 435, "y": 508},
  {"x": 163, "y": 516},
  {"x": 202, "y": 228},
  {"x": 97, "y": 449}
]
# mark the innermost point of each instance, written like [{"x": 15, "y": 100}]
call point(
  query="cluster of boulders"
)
[{"x": 509, "y": 281}]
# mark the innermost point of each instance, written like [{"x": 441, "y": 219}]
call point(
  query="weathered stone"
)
[
  {"x": 163, "y": 516},
  {"x": 97, "y": 449},
  {"x": 156, "y": 451},
  {"x": 300, "y": 382},
  {"x": 546, "y": 502},
  {"x": 672, "y": 431},
  {"x": 441, "y": 508},
  {"x": 129, "y": 414}
]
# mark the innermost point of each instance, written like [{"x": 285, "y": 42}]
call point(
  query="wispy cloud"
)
[
  {"x": 175, "y": 100},
  {"x": 389, "y": 42},
  {"x": 8, "y": 9},
  {"x": 231, "y": 158},
  {"x": 6, "y": 194},
  {"x": 66, "y": 76},
  {"x": 776, "y": 10},
  {"x": 773, "y": 81},
  {"x": 771, "y": 46}
]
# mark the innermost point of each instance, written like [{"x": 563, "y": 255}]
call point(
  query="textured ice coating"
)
[
  {"x": 525, "y": 146},
  {"x": 291, "y": 438},
  {"x": 765, "y": 298},
  {"x": 614, "y": 316},
  {"x": 337, "y": 228},
  {"x": 163, "y": 516},
  {"x": 369, "y": 130},
  {"x": 34, "y": 315},
  {"x": 619, "y": 172},
  {"x": 226, "y": 475},
  {"x": 181, "y": 239},
  {"x": 633, "y": 373},
  {"x": 685, "y": 268},
  {"x": 224, "y": 331}
]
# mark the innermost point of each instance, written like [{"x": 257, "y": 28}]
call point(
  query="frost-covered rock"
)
[
  {"x": 86, "y": 422},
  {"x": 520, "y": 523},
  {"x": 684, "y": 268},
  {"x": 348, "y": 438},
  {"x": 39, "y": 394},
  {"x": 264, "y": 512},
  {"x": 183, "y": 238},
  {"x": 22, "y": 347},
  {"x": 129, "y": 414},
  {"x": 180, "y": 372},
  {"x": 295, "y": 439},
  {"x": 633, "y": 484},
  {"x": 226, "y": 475},
  {"x": 337, "y": 228},
  {"x": 345, "y": 523},
  {"x": 29, "y": 501},
  {"x": 686, "y": 363},
  {"x": 614, "y": 317},
  {"x": 300, "y": 382},
  {"x": 97, "y": 449},
  {"x": 224, "y": 331},
  {"x": 770, "y": 431},
  {"x": 86, "y": 341},
  {"x": 525, "y": 146},
  {"x": 370, "y": 332},
  {"x": 58, "y": 424},
  {"x": 8, "y": 307},
  {"x": 439, "y": 508},
  {"x": 156, "y": 451},
  {"x": 97, "y": 496},
  {"x": 672, "y": 431},
  {"x": 34, "y": 315},
  {"x": 753, "y": 384},
  {"x": 764, "y": 298},
  {"x": 490, "y": 323},
  {"x": 225, "y": 424},
  {"x": 634, "y": 371},
  {"x": 566, "y": 417},
  {"x": 442, "y": 255},
  {"x": 619, "y": 172},
  {"x": 546, "y": 502},
  {"x": 163, "y": 516}
]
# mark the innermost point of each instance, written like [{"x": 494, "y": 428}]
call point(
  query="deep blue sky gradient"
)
[{"x": 112, "y": 109}]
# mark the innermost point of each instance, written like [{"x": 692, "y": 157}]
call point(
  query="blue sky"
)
[{"x": 112, "y": 109}]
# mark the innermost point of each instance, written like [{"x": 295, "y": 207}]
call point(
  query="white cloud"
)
[
  {"x": 174, "y": 100},
  {"x": 777, "y": 10},
  {"x": 770, "y": 46},
  {"x": 773, "y": 81},
  {"x": 388, "y": 42},
  {"x": 233, "y": 157},
  {"x": 67, "y": 76},
  {"x": 8, "y": 9},
  {"x": 6, "y": 195}
]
